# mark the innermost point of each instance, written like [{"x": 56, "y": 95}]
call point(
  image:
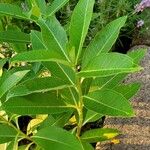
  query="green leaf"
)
[
  {"x": 104, "y": 40},
  {"x": 55, "y": 6},
  {"x": 60, "y": 120},
  {"x": 37, "y": 44},
  {"x": 42, "y": 5},
  {"x": 70, "y": 95},
  {"x": 37, "y": 41},
  {"x": 97, "y": 135},
  {"x": 11, "y": 81},
  {"x": 39, "y": 103},
  {"x": 18, "y": 44},
  {"x": 79, "y": 25},
  {"x": 108, "y": 82},
  {"x": 7, "y": 133},
  {"x": 91, "y": 116},
  {"x": 12, "y": 10},
  {"x": 58, "y": 70},
  {"x": 37, "y": 56},
  {"x": 107, "y": 64},
  {"x": 54, "y": 37},
  {"x": 108, "y": 102},
  {"x": 56, "y": 138},
  {"x": 14, "y": 37},
  {"x": 65, "y": 73},
  {"x": 19, "y": 47},
  {"x": 37, "y": 85},
  {"x": 128, "y": 90},
  {"x": 113, "y": 80},
  {"x": 14, "y": 144},
  {"x": 137, "y": 55},
  {"x": 86, "y": 85}
]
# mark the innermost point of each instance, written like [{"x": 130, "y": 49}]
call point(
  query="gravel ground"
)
[{"x": 136, "y": 130}]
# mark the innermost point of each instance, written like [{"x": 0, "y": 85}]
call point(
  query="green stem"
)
[{"x": 80, "y": 109}]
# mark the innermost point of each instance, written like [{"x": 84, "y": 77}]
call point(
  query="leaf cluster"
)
[{"x": 59, "y": 83}]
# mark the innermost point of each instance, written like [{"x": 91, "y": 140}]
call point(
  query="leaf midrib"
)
[{"x": 111, "y": 69}]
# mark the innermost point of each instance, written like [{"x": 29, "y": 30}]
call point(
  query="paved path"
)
[{"x": 136, "y": 130}]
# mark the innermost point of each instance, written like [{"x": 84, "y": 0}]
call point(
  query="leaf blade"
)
[
  {"x": 11, "y": 81},
  {"x": 104, "y": 40},
  {"x": 128, "y": 90},
  {"x": 107, "y": 64},
  {"x": 14, "y": 37},
  {"x": 7, "y": 133},
  {"x": 39, "y": 103},
  {"x": 52, "y": 137},
  {"x": 37, "y": 56},
  {"x": 80, "y": 22},
  {"x": 37, "y": 85},
  {"x": 12, "y": 10},
  {"x": 108, "y": 102},
  {"x": 54, "y": 37}
]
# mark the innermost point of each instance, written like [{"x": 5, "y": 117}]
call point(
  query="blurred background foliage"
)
[{"x": 104, "y": 12}]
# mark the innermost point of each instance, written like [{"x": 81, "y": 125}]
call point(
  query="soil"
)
[{"x": 136, "y": 130}]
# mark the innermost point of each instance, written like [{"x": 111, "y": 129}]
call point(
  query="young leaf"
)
[
  {"x": 104, "y": 40},
  {"x": 37, "y": 85},
  {"x": 11, "y": 81},
  {"x": 55, "y": 6},
  {"x": 97, "y": 135},
  {"x": 56, "y": 138},
  {"x": 37, "y": 56},
  {"x": 108, "y": 102},
  {"x": 54, "y": 37},
  {"x": 39, "y": 103},
  {"x": 12, "y": 10},
  {"x": 128, "y": 90},
  {"x": 14, "y": 37},
  {"x": 107, "y": 64},
  {"x": 79, "y": 25},
  {"x": 7, "y": 133}
]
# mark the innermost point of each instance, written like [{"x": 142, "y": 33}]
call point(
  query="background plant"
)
[{"x": 60, "y": 84}]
